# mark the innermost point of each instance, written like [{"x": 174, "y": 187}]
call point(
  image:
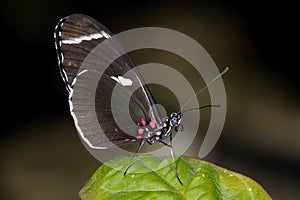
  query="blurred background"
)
[{"x": 41, "y": 154}]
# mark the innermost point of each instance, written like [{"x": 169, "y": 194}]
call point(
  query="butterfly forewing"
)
[{"x": 77, "y": 37}]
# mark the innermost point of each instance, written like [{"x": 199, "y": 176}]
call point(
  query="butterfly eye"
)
[{"x": 174, "y": 120}]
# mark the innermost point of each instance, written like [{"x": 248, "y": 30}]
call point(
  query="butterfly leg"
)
[
  {"x": 173, "y": 157},
  {"x": 135, "y": 156}
]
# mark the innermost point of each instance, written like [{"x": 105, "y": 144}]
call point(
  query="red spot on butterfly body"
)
[
  {"x": 143, "y": 121},
  {"x": 140, "y": 131},
  {"x": 138, "y": 137},
  {"x": 165, "y": 128},
  {"x": 152, "y": 123},
  {"x": 127, "y": 139}
]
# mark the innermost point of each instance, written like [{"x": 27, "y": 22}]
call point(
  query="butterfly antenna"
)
[
  {"x": 206, "y": 106},
  {"x": 204, "y": 88}
]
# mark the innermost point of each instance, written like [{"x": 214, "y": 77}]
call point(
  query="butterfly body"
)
[{"x": 152, "y": 132}]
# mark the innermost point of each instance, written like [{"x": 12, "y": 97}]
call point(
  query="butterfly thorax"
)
[{"x": 152, "y": 131}]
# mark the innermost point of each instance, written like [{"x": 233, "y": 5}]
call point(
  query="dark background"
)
[{"x": 41, "y": 154}]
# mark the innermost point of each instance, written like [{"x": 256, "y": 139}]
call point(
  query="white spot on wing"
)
[
  {"x": 105, "y": 34},
  {"x": 115, "y": 78},
  {"x": 83, "y": 71},
  {"x": 78, "y": 40},
  {"x": 80, "y": 73},
  {"x": 123, "y": 81},
  {"x": 62, "y": 58},
  {"x": 70, "y": 99}
]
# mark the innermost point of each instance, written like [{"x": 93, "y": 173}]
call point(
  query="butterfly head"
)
[{"x": 175, "y": 119}]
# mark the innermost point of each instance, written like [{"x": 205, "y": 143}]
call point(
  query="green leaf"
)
[{"x": 154, "y": 178}]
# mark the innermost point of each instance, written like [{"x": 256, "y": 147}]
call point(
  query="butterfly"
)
[
  {"x": 75, "y": 37},
  {"x": 122, "y": 121}
]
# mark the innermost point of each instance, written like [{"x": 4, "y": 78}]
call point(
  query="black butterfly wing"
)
[{"x": 76, "y": 38}]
